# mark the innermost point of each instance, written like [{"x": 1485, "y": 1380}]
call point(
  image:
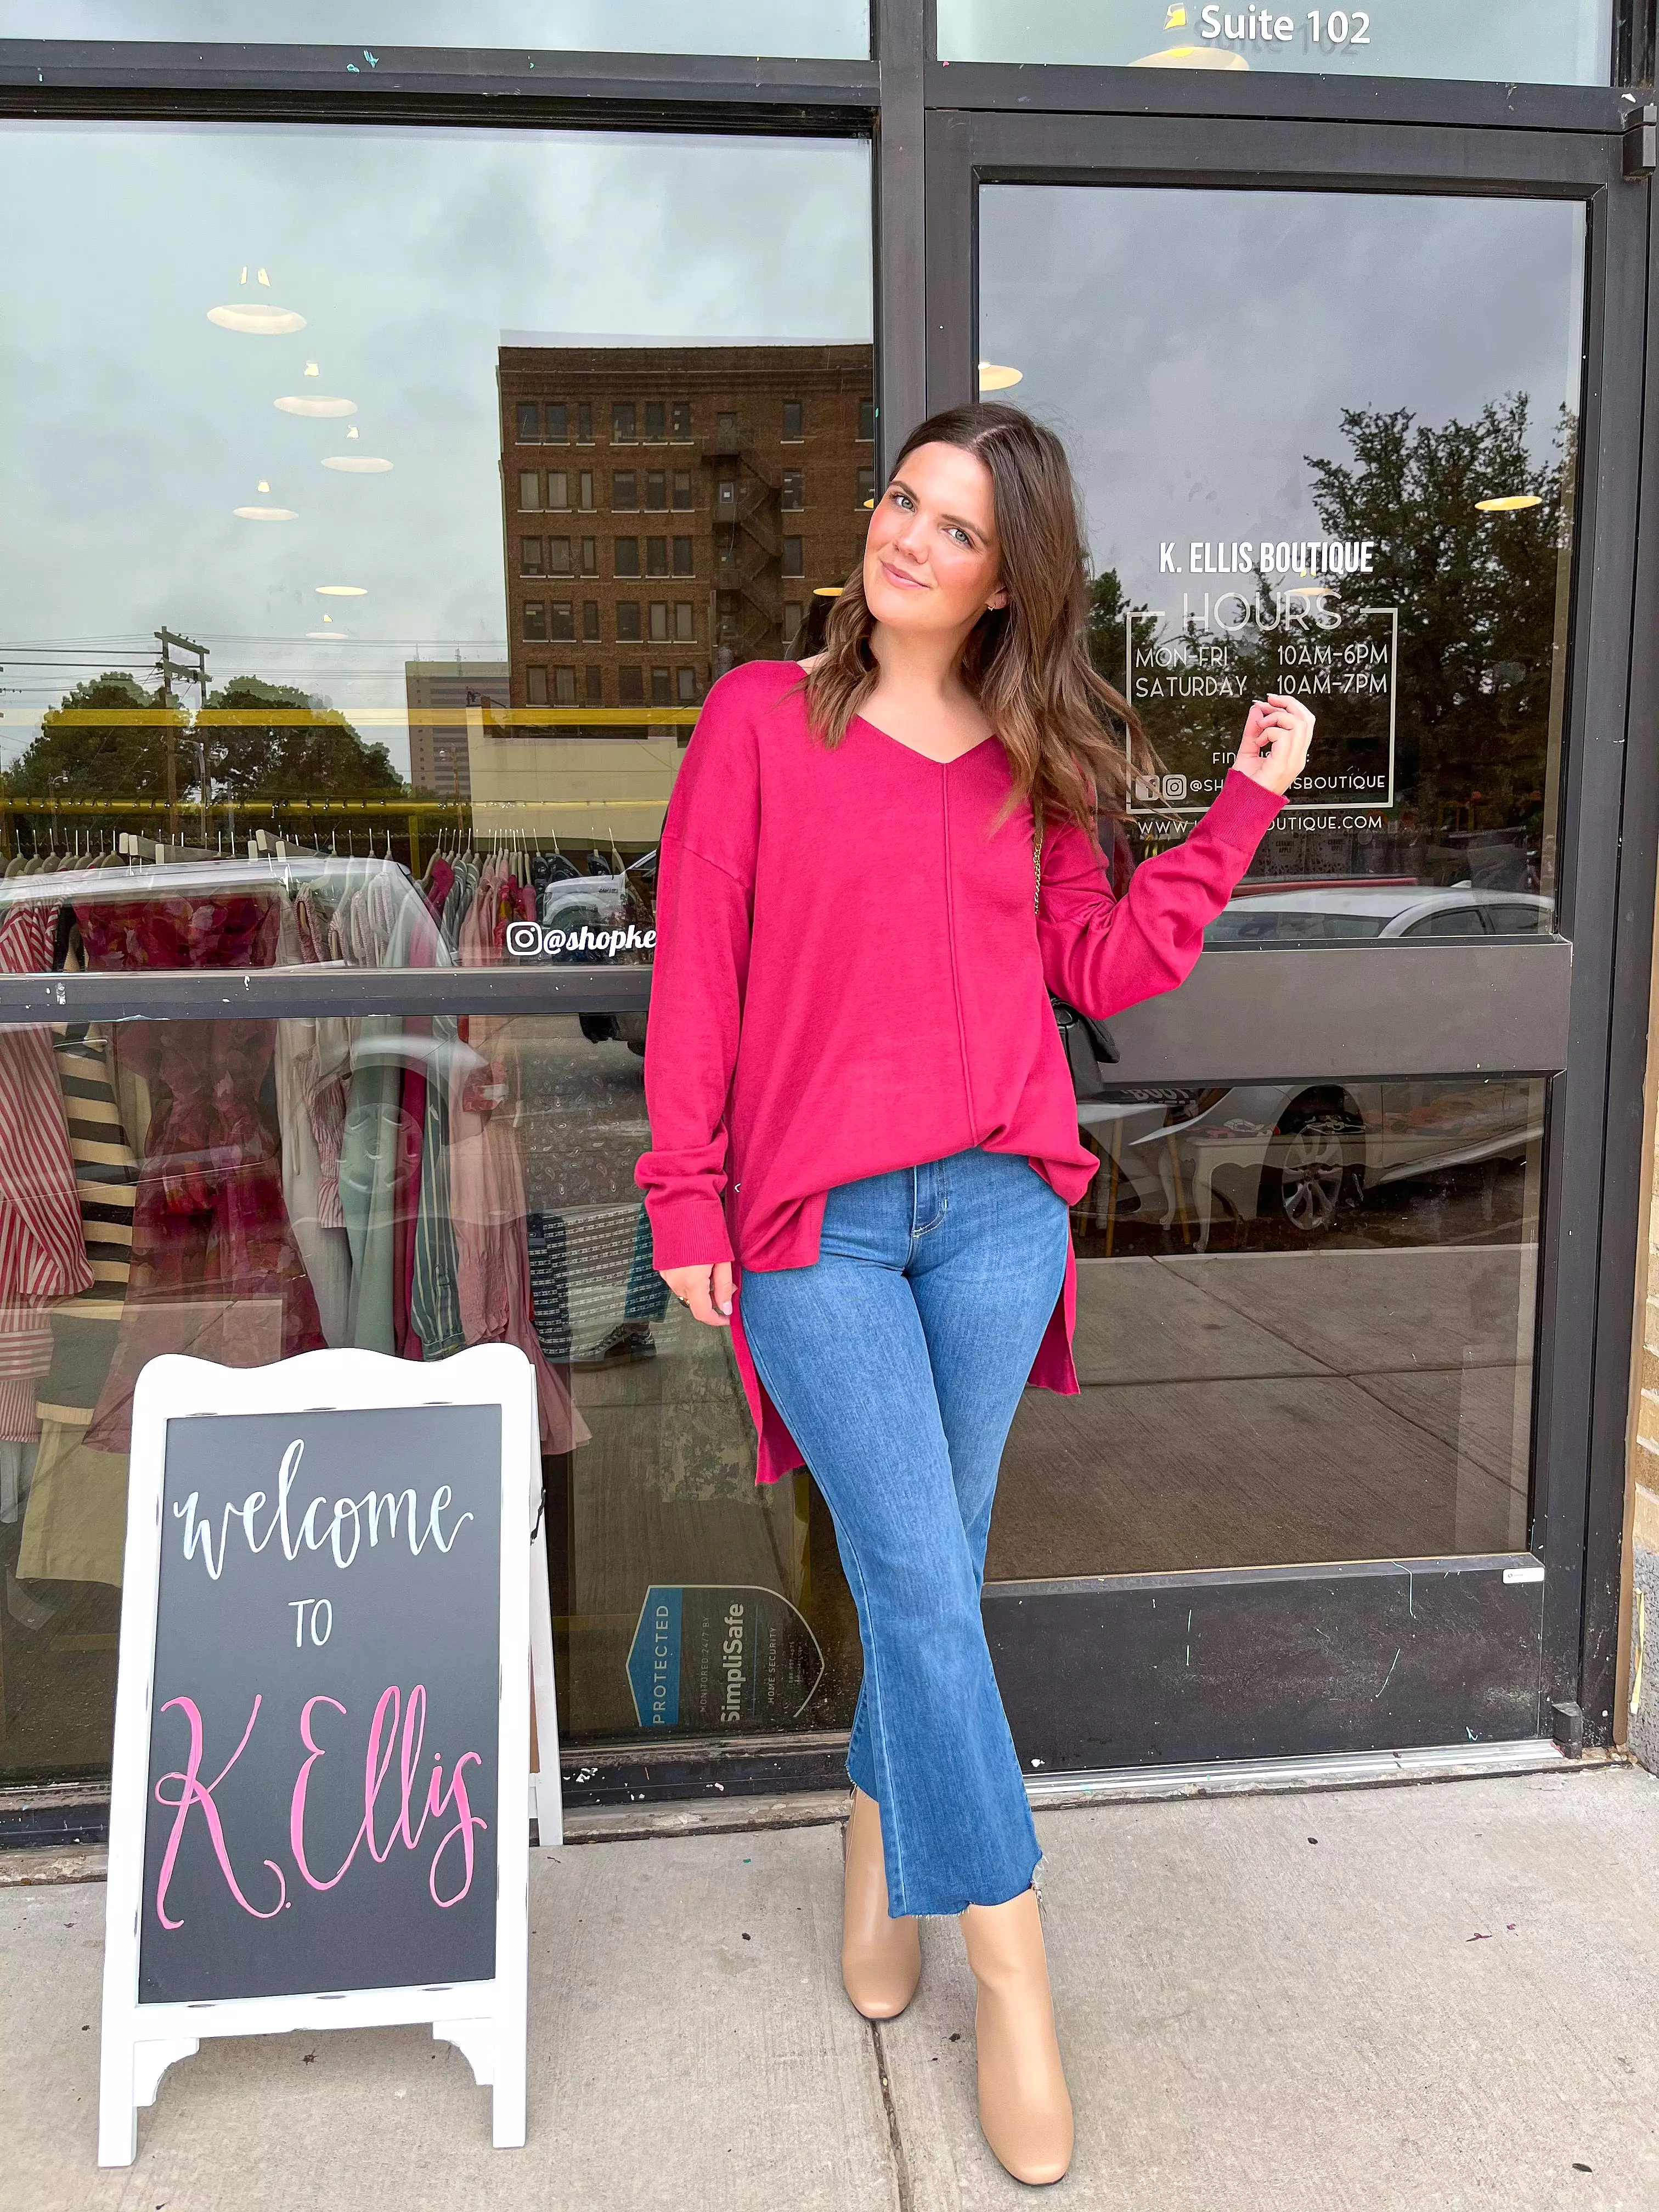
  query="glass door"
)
[{"x": 1334, "y": 416}]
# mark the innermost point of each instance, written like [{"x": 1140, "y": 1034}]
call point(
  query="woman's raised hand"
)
[
  {"x": 706, "y": 1291},
  {"x": 1274, "y": 750}
]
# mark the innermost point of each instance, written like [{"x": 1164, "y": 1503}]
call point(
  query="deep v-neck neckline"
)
[{"x": 915, "y": 754}]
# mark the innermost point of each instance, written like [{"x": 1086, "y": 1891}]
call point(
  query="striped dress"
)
[
  {"x": 76, "y": 1517},
  {"x": 42, "y": 1249},
  {"x": 85, "y": 1328}
]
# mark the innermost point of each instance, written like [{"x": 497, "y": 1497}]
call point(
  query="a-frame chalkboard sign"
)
[{"x": 319, "y": 1810}]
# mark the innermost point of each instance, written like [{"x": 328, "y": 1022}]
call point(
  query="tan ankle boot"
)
[
  {"x": 880, "y": 1957},
  {"x": 1024, "y": 2106}
]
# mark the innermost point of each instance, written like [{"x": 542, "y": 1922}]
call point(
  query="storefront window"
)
[
  {"x": 836, "y": 29},
  {"x": 244, "y": 1190},
  {"x": 1338, "y": 459},
  {"x": 1305, "y": 1325},
  {"x": 1502, "y": 41},
  {"x": 390, "y": 497}
]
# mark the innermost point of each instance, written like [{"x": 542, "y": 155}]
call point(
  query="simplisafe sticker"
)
[{"x": 720, "y": 1655}]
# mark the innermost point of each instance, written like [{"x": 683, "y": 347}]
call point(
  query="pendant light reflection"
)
[
  {"x": 994, "y": 377},
  {"x": 260, "y": 319},
  {"x": 828, "y": 591},
  {"x": 296, "y": 404},
  {"x": 1192, "y": 58},
  {"x": 344, "y": 590},
  {"x": 267, "y": 514},
  {"x": 356, "y": 465},
  {"x": 257, "y": 318},
  {"x": 1511, "y": 503}
]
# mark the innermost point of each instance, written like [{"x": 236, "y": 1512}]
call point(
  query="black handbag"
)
[{"x": 1087, "y": 1041}]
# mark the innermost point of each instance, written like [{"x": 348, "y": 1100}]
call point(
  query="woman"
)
[{"x": 870, "y": 865}]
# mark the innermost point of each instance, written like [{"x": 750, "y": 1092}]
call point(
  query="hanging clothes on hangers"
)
[
  {"x": 463, "y": 893},
  {"x": 328, "y": 1081},
  {"x": 434, "y": 1308},
  {"x": 436, "y": 884},
  {"x": 416, "y": 943},
  {"x": 487, "y": 1190},
  {"x": 323, "y": 1243},
  {"x": 363, "y": 928},
  {"x": 215, "y": 1267},
  {"x": 388, "y": 926},
  {"x": 435, "y": 1299}
]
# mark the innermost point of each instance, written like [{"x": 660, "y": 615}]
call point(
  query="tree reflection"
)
[
  {"x": 1479, "y": 594},
  {"x": 255, "y": 743},
  {"x": 79, "y": 756},
  {"x": 303, "y": 751}
]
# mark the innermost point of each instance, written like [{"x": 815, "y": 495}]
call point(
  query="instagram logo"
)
[{"x": 532, "y": 940}]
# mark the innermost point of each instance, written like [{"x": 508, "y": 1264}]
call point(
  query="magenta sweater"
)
[{"x": 849, "y": 979}]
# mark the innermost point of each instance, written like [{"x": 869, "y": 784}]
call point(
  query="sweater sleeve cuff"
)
[
  {"x": 688, "y": 1230},
  {"x": 1243, "y": 811}
]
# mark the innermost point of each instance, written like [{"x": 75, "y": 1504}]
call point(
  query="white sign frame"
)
[
  {"x": 486, "y": 2021},
  {"x": 546, "y": 1781}
]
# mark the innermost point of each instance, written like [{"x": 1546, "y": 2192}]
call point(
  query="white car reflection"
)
[
  {"x": 598, "y": 901},
  {"x": 1295, "y": 1155},
  {"x": 1317, "y": 915}
]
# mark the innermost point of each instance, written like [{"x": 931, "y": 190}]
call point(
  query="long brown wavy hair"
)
[{"x": 1072, "y": 741}]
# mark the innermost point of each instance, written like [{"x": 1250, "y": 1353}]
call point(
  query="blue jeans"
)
[{"x": 897, "y": 1360}]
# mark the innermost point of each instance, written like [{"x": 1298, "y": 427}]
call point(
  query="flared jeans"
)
[{"x": 897, "y": 1361}]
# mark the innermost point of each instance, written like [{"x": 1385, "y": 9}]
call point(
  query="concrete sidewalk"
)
[{"x": 1446, "y": 2000}]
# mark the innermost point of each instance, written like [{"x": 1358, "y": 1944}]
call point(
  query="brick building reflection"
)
[{"x": 668, "y": 512}]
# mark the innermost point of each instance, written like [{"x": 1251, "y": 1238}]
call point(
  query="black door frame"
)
[
  {"x": 1540, "y": 1009},
  {"x": 921, "y": 113}
]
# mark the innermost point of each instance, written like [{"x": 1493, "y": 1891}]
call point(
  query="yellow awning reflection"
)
[{"x": 297, "y": 718}]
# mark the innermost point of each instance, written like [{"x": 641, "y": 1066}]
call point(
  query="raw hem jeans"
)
[{"x": 897, "y": 1360}]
